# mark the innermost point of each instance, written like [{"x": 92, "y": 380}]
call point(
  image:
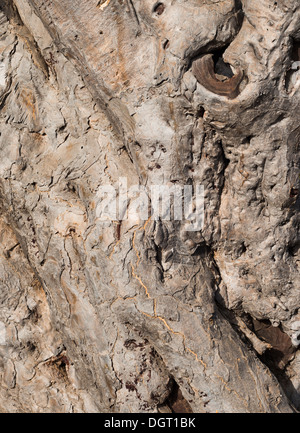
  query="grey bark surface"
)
[{"x": 143, "y": 315}]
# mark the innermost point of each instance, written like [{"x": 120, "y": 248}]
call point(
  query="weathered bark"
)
[{"x": 144, "y": 315}]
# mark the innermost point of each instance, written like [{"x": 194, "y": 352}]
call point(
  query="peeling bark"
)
[{"x": 143, "y": 315}]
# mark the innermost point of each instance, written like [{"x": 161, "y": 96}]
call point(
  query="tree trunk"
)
[{"x": 136, "y": 313}]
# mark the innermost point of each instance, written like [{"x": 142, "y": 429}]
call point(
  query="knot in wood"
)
[{"x": 203, "y": 70}]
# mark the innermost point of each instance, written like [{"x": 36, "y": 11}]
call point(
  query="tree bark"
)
[{"x": 141, "y": 314}]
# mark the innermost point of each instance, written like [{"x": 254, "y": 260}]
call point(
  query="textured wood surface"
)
[{"x": 139, "y": 314}]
